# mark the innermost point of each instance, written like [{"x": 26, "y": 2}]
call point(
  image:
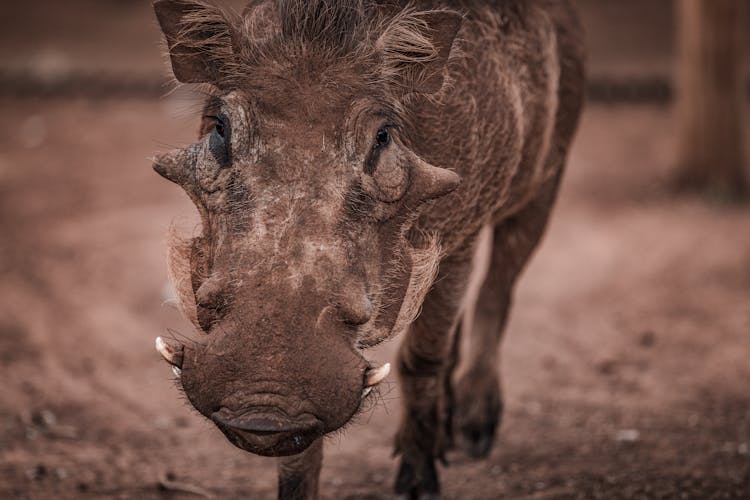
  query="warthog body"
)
[{"x": 366, "y": 168}]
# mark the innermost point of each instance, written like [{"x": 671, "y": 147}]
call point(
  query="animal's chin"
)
[
  {"x": 271, "y": 445},
  {"x": 267, "y": 433}
]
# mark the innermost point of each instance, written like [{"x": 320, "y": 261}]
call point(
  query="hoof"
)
[
  {"x": 417, "y": 478},
  {"x": 477, "y": 413},
  {"x": 426, "y": 496}
]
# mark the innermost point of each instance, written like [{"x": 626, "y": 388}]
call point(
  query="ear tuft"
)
[
  {"x": 415, "y": 47},
  {"x": 199, "y": 37}
]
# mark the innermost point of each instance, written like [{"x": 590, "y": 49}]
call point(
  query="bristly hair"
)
[
  {"x": 290, "y": 28},
  {"x": 334, "y": 24},
  {"x": 345, "y": 26},
  {"x": 389, "y": 38}
]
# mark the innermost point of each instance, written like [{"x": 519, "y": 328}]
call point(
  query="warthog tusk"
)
[
  {"x": 170, "y": 351},
  {"x": 366, "y": 391},
  {"x": 177, "y": 372},
  {"x": 376, "y": 375}
]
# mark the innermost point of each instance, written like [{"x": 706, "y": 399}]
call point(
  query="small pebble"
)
[
  {"x": 607, "y": 367},
  {"x": 648, "y": 339},
  {"x": 44, "y": 418},
  {"x": 36, "y": 473},
  {"x": 627, "y": 435},
  {"x": 48, "y": 418}
]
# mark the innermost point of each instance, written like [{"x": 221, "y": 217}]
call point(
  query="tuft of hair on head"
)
[{"x": 332, "y": 23}]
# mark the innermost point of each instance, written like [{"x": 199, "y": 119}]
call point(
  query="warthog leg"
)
[
  {"x": 299, "y": 474},
  {"x": 421, "y": 365}
]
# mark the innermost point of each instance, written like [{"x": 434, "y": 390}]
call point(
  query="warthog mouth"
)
[
  {"x": 267, "y": 431},
  {"x": 260, "y": 422}
]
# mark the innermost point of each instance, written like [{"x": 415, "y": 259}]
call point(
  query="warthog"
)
[{"x": 365, "y": 168}]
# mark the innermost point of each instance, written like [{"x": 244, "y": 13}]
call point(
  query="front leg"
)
[
  {"x": 299, "y": 474},
  {"x": 422, "y": 360}
]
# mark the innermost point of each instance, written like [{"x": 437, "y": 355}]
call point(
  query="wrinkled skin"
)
[
  {"x": 286, "y": 277},
  {"x": 354, "y": 166}
]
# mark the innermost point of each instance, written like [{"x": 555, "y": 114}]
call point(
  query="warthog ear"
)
[
  {"x": 199, "y": 37},
  {"x": 415, "y": 48}
]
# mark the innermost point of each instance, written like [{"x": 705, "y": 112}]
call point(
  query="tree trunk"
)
[{"x": 711, "y": 97}]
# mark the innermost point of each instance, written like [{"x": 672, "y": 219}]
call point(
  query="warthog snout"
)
[
  {"x": 269, "y": 395},
  {"x": 264, "y": 421}
]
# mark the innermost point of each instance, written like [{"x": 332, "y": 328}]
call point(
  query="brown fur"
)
[{"x": 316, "y": 242}]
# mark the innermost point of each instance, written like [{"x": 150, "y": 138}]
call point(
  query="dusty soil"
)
[{"x": 625, "y": 363}]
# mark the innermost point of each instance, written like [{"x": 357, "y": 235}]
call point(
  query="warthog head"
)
[{"x": 308, "y": 191}]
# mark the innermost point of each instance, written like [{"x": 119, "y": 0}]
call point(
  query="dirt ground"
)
[{"x": 625, "y": 363}]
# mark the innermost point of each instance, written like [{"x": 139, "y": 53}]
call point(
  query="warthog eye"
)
[
  {"x": 382, "y": 138},
  {"x": 218, "y": 143}
]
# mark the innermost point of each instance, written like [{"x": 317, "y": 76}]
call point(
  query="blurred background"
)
[{"x": 625, "y": 362}]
